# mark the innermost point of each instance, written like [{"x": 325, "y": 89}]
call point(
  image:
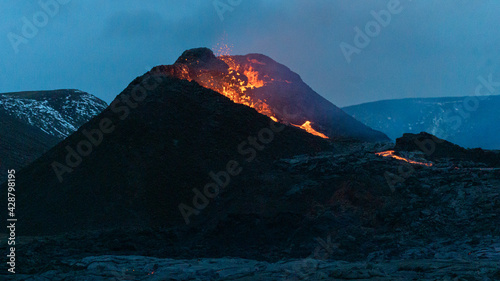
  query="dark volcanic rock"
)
[
  {"x": 435, "y": 148},
  {"x": 20, "y": 144},
  {"x": 332, "y": 207},
  {"x": 111, "y": 267},
  {"x": 201, "y": 59}
]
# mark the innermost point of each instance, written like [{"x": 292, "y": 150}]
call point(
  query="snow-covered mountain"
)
[
  {"x": 33, "y": 122},
  {"x": 58, "y": 113},
  {"x": 467, "y": 121}
]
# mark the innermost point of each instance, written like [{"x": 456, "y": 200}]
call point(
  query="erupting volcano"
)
[{"x": 271, "y": 89}]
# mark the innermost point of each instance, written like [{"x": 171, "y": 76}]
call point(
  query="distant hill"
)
[
  {"x": 447, "y": 118},
  {"x": 33, "y": 122}
]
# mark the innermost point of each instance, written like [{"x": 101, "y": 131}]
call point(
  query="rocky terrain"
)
[
  {"x": 344, "y": 214},
  {"x": 120, "y": 268},
  {"x": 33, "y": 122},
  {"x": 434, "y": 148},
  {"x": 174, "y": 181},
  {"x": 467, "y": 121}
]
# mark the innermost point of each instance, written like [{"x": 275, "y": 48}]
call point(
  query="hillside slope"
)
[
  {"x": 33, "y": 122},
  {"x": 159, "y": 150}
]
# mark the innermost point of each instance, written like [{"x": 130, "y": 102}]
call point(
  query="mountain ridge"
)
[
  {"x": 56, "y": 112},
  {"x": 449, "y": 118},
  {"x": 32, "y": 122}
]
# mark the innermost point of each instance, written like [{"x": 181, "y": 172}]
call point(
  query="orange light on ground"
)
[
  {"x": 390, "y": 153},
  {"x": 307, "y": 127}
]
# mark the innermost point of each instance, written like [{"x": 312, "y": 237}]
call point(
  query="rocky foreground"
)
[
  {"x": 359, "y": 216},
  {"x": 147, "y": 268}
]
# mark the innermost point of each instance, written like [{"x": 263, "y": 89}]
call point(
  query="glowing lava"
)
[
  {"x": 390, "y": 153},
  {"x": 253, "y": 78},
  {"x": 307, "y": 127},
  {"x": 235, "y": 84},
  {"x": 236, "y": 87},
  {"x": 236, "y": 77},
  {"x": 238, "y": 81}
]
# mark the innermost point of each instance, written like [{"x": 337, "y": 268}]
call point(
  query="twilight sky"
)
[{"x": 430, "y": 48}]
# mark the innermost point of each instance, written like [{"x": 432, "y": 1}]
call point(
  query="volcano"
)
[
  {"x": 270, "y": 88},
  {"x": 161, "y": 147}
]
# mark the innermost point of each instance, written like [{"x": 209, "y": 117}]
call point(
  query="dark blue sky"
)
[{"x": 428, "y": 49}]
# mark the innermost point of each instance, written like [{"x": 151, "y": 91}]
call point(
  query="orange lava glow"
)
[
  {"x": 307, "y": 127},
  {"x": 253, "y": 78},
  {"x": 236, "y": 83},
  {"x": 240, "y": 79},
  {"x": 390, "y": 153}
]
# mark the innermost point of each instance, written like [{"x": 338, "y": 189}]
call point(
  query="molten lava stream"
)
[
  {"x": 307, "y": 127},
  {"x": 390, "y": 153}
]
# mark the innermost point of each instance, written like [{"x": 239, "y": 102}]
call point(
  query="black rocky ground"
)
[
  {"x": 338, "y": 217},
  {"x": 434, "y": 148}
]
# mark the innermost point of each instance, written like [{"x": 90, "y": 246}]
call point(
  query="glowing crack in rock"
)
[
  {"x": 307, "y": 127},
  {"x": 390, "y": 153}
]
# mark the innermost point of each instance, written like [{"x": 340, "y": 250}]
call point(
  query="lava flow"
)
[
  {"x": 307, "y": 127},
  {"x": 390, "y": 153}
]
